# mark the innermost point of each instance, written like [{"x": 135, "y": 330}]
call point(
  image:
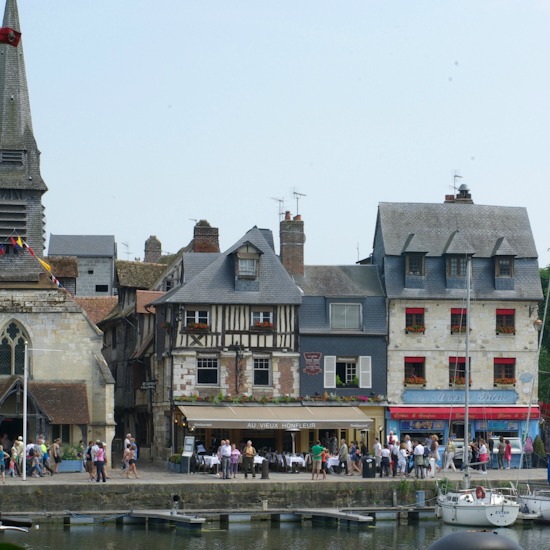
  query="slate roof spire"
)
[{"x": 16, "y": 133}]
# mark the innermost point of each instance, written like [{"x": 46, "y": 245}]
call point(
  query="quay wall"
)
[{"x": 217, "y": 496}]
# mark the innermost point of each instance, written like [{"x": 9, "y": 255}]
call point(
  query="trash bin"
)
[
  {"x": 265, "y": 469},
  {"x": 369, "y": 467}
]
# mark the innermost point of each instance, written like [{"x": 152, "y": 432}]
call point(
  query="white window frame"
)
[
  {"x": 363, "y": 372},
  {"x": 261, "y": 317},
  {"x": 197, "y": 316},
  {"x": 209, "y": 368},
  {"x": 248, "y": 267},
  {"x": 256, "y": 367},
  {"x": 347, "y": 315}
]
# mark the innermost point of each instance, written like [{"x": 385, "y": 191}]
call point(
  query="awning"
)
[
  {"x": 275, "y": 417},
  {"x": 457, "y": 413}
]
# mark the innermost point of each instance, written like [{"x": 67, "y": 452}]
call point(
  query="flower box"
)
[
  {"x": 262, "y": 327},
  {"x": 414, "y": 382},
  {"x": 458, "y": 382},
  {"x": 505, "y": 330},
  {"x": 70, "y": 466},
  {"x": 415, "y": 329},
  {"x": 197, "y": 327},
  {"x": 504, "y": 382},
  {"x": 458, "y": 329}
]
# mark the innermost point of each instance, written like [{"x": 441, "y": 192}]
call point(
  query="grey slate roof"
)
[
  {"x": 16, "y": 131},
  {"x": 215, "y": 282},
  {"x": 340, "y": 281},
  {"x": 82, "y": 246},
  {"x": 434, "y": 228}
]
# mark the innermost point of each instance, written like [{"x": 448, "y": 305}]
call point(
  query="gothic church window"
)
[{"x": 12, "y": 349}]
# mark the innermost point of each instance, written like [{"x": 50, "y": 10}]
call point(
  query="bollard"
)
[
  {"x": 265, "y": 469},
  {"x": 421, "y": 499},
  {"x": 394, "y": 498},
  {"x": 175, "y": 504},
  {"x": 264, "y": 505}
]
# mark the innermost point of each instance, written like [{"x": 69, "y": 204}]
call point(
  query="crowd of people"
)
[{"x": 35, "y": 459}]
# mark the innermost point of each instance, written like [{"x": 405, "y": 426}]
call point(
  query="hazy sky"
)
[{"x": 151, "y": 114}]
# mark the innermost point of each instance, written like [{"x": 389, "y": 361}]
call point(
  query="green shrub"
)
[{"x": 70, "y": 452}]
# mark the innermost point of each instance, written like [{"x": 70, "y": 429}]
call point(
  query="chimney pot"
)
[{"x": 287, "y": 215}]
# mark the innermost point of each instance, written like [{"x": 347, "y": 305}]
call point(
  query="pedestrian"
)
[
  {"x": 500, "y": 452},
  {"x": 528, "y": 450},
  {"x": 324, "y": 457},
  {"x": 317, "y": 452},
  {"x": 100, "y": 463},
  {"x": 385, "y": 461},
  {"x": 450, "y": 451},
  {"x": 483, "y": 456},
  {"x": 225, "y": 452},
  {"x": 132, "y": 468},
  {"x": 418, "y": 453},
  {"x": 377, "y": 453},
  {"x": 235, "y": 457},
  {"x": 402, "y": 460},
  {"x": 343, "y": 457},
  {"x": 88, "y": 461},
  {"x": 3, "y": 456},
  {"x": 508, "y": 453},
  {"x": 248, "y": 459},
  {"x": 55, "y": 454}
]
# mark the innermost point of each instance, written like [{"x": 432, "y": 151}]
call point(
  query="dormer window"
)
[
  {"x": 247, "y": 262},
  {"x": 456, "y": 266},
  {"x": 248, "y": 267},
  {"x": 504, "y": 267},
  {"x": 415, "y": 264}
]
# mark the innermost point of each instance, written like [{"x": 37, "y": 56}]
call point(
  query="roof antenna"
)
[
  {"x": 297, "y": 197},
  {"x": 456, "y": 176},
  {"x": 281, "y": 207},
  {"x": 127, "y": 246}
]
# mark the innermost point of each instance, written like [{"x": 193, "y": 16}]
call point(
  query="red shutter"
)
[
  {"x": 506, "y": 311},
  {"x": 415, "y": 359},
  {"x": 416, "y": 310},
  {"x": 457, "y": 360},
  {"x": 458, "y": 311},
  {"x": 504, "y": 361}
]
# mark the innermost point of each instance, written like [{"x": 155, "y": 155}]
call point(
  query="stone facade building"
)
[{"x": 421, "y": 251}]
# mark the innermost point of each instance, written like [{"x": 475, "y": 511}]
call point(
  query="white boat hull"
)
[
  {"x": 463, "y": 508},
  {"x": 537, "y": 504}
]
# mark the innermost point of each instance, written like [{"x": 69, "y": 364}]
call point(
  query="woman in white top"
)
[{"x": 402, "y": 460}]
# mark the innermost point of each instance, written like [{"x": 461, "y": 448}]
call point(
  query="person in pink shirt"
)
[
  {"x": 508, "y": 453},
  {"x": 100, "y": 463}
]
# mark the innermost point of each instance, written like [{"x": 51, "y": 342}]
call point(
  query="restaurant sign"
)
[
  {"x": 313, "y": 362},
  {"x": 445, "y": 397}
]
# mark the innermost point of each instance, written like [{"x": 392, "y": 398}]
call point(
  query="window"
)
[
  {"x": 346, "y": 372},
  {"x": 414, "y": 319},
  {"x": 262, "y": 319},
  {"x": 102, "y": 288},
  {"x": 345, "y": 316},
  {"x": 457, "y": 371},
  {"x": 196, "y": 318},
  {"x": 262, "y": 372},
  {"x": 208, "y": 371},
  {"x": 504, "y": 267},
  {"x": 247, "y": 267},
  {"x": 90, "y": 271},
  {"x": 458, "y": 320},
  {"x": 415, "y": 370},
  {"x": 505, "y": 371},
  {"x": 505, "y": 321},
  {"x": 12, "y": 349},
  {"x": 357, "y": 370},
  {"x": 415, "y": 264},
  {"x": 63, "y": 431},
  {"x": 456, "y": 266}
]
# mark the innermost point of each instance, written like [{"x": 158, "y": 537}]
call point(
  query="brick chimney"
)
[
  {"x": 205, "y": 238},
  {"x": 292, "y": 244},
  {"x": 153, "y": 250}
]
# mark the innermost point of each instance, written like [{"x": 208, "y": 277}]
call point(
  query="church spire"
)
[
  {"x": 18, "y": 149},
  {"x": 21, "y": 185}
]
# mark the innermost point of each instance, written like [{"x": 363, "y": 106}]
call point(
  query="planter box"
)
[
  {"x": 415, "y": 386},
  {"x": 175, "y": 468},
  {"x": 70, "y": 466}
]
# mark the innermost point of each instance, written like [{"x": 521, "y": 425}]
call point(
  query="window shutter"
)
[
  {"x": 365, "y": 372},
  {"x": 330, "y": 371}
]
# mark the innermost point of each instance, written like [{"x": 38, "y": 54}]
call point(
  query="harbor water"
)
[{"x": 258, "y": 535}]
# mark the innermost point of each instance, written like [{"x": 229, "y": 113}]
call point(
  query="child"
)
[
  {"x": 324, "y": 456},
  {"x": 11, "y": 471},
  {"x": 3, "y": 456},
  {"x": 508, "y": 453}
]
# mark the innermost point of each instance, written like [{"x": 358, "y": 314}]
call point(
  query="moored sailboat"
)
[{"x": 475, "y": 507}]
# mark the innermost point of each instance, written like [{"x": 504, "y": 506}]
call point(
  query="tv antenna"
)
[
  {"x": 281, "y": 206},
  {"x": 456, "y": 176},
  {"x": 127, "y": 246},
  {"x": 297, "y": 196}
]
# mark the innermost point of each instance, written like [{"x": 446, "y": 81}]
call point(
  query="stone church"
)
[{"x": 43, "y": 331}]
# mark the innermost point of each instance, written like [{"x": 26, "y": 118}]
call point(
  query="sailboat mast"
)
[{"x": 465, "y": 454}]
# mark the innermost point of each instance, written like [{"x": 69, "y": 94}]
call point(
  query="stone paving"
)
[{"x": 156, "y": 473}]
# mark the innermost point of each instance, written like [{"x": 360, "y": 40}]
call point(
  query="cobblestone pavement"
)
[{"x": 150, "y": 472}]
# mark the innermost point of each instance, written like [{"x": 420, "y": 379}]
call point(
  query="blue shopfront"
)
[{"x": 440, "y": 412}]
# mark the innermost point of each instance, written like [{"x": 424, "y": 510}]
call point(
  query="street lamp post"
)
[{"x": 25, "y": 397}]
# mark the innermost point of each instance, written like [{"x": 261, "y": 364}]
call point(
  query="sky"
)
[{"x": 151, "y": 115}]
